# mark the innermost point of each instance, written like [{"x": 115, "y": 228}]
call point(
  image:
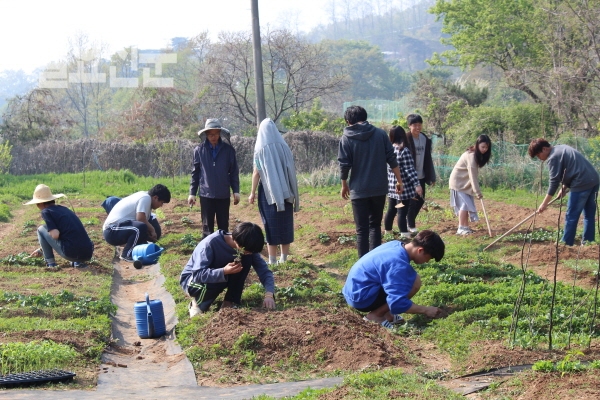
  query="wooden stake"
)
[{"x": 487, "y": 221}]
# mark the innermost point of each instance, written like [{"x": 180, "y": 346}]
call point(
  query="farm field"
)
[{"x": 313, "y": 333}]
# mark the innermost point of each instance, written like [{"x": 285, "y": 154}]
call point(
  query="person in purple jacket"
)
[
  {"x": 221, "y": 262},
  {"x": 382, "y": 282},
  {"x": 215, "y": 172}
]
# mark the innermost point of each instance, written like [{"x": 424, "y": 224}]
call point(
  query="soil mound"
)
[{"x": 333, "y": 340}]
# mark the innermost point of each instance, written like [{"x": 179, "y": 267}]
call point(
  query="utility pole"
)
[{"x": 261, "y": 112}]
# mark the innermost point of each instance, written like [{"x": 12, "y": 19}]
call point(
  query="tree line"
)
[{"x": 511, "y": 69}]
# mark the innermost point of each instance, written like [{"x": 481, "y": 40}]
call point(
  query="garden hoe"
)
[{"x": 519, "y": 224}]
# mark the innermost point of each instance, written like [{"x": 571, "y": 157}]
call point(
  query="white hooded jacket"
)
[{"x": 275, "y": 164}]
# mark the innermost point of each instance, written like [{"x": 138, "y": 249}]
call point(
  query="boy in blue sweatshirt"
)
[
  {"x": 382, "y": 282},
  {"x": 222, "y": 261}
]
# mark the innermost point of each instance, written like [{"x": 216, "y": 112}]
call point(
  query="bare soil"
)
[{"x": 329, "y": 340}]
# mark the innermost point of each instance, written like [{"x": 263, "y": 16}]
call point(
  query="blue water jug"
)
[
  {"x": 149, "y": 318},
  {"x": 147, "y": 253}
]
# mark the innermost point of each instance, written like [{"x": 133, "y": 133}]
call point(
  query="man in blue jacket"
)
[
  {"x": 215, "y": 172},
  {"x": 221, "y": 262},
  {"x": 364, "y": 153},
  {"x": 383, "y": 282}
]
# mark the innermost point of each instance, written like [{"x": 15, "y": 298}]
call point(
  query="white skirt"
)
[{"x": 463, "y": 202}]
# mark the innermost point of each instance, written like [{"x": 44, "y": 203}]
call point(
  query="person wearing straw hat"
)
[
  {"x": 62, "y": 232},
  {"x": 215, "y": 172}
]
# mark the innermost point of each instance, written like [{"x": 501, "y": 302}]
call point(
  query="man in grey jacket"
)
[
  {"x": 364, "y": 153},
  {"x": 569, "y": 167},
  {"x": 215, "y": 173}
]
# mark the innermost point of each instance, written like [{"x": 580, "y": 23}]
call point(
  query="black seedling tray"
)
[{"x": 36, "y": 377}]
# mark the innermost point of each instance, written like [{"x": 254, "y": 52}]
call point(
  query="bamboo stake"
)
[
  {"x": 487, "y": 221},
  {"x": 517, "y": 225}
]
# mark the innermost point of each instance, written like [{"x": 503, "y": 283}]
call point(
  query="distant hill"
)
[{"x": 407, "y": 37}]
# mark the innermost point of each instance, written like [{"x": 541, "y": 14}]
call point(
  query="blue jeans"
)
[
  {"x": 368, "y": 213},
  {"x": 48, "y": 244},
  {"x": 581, "y": 201}
]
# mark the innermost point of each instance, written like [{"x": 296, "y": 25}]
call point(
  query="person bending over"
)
[
  {"x": 222, "y": 261},
  {"x": 382, "y": 282},
  {"x": 63, "y": 231},
  {"x": 128, "y": 223}
]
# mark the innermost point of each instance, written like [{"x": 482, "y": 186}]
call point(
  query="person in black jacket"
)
[
  {"x": 364, "y": 153},
  {"x": 420, "y": 147},
  {"x": 215, "y": 173}
]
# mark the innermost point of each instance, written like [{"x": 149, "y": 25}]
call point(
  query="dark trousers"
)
[
  {"x": 368, "y": 213},
  {"x": 388, "y": 221},
  {"x": 206, "y": 293},
  {"x": 415, "y": 206},
  {"x": 209, "y": 208},
  {"x": 129, "y": 234}
]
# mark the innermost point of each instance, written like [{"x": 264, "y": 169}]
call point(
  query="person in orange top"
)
[{"x": 464, "y": 183}]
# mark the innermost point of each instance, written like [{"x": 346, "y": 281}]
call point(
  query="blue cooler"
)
[
  {"x": 147, "y": 253},
  {"x": 149, "y": 318}
]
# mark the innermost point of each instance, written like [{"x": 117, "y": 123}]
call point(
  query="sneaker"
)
[
  {"x": 136, "y": 263},
  {"x": 387, "y": 324},
  {"x": 405, "y": 236},
  {"x": 79, "y": 265},
  {"x": 194, "y": 309},
  {"x": 464, "y": 231},
  {"x": 398, "y": 320},
  {"x": 51, "y": 265},
  {"x": 413, "y": 231}
]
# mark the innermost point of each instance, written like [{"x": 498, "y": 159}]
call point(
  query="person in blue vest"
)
[
  {"x": 382, "y": 282},
  {"x": 63, "y": 231},
  {"x": 215, "y": 173},
  {"x": 222, "y": 262}
]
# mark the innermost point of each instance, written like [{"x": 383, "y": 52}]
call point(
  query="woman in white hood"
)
[{"x": 275, "y": 177}]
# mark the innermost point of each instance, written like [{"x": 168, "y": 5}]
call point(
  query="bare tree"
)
[
  {"x": 35, "y": 116},
  {"x": 87, "y": 84},
  {"x": 296, "y": 72}
]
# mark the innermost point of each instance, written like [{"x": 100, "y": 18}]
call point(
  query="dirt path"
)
[
  {"x": 131, "y": 361},
  {"x": 153, "y": 368}
]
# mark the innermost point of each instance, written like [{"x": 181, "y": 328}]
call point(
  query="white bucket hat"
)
[
  {"x": 214, "y": 123},
  {"x": 42, "y": 194}
]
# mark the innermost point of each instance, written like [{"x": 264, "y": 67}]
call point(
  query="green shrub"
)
[{"x": 5, "y": 214}]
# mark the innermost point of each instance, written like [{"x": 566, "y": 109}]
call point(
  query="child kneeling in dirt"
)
[
  {"x": 382, "y": 282},
  {"x": 222, "y": 261}
]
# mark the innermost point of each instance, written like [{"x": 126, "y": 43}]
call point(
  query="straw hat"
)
[
  {"x": 42, "y": 194},
  {"x": 214, "y": 123}
]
